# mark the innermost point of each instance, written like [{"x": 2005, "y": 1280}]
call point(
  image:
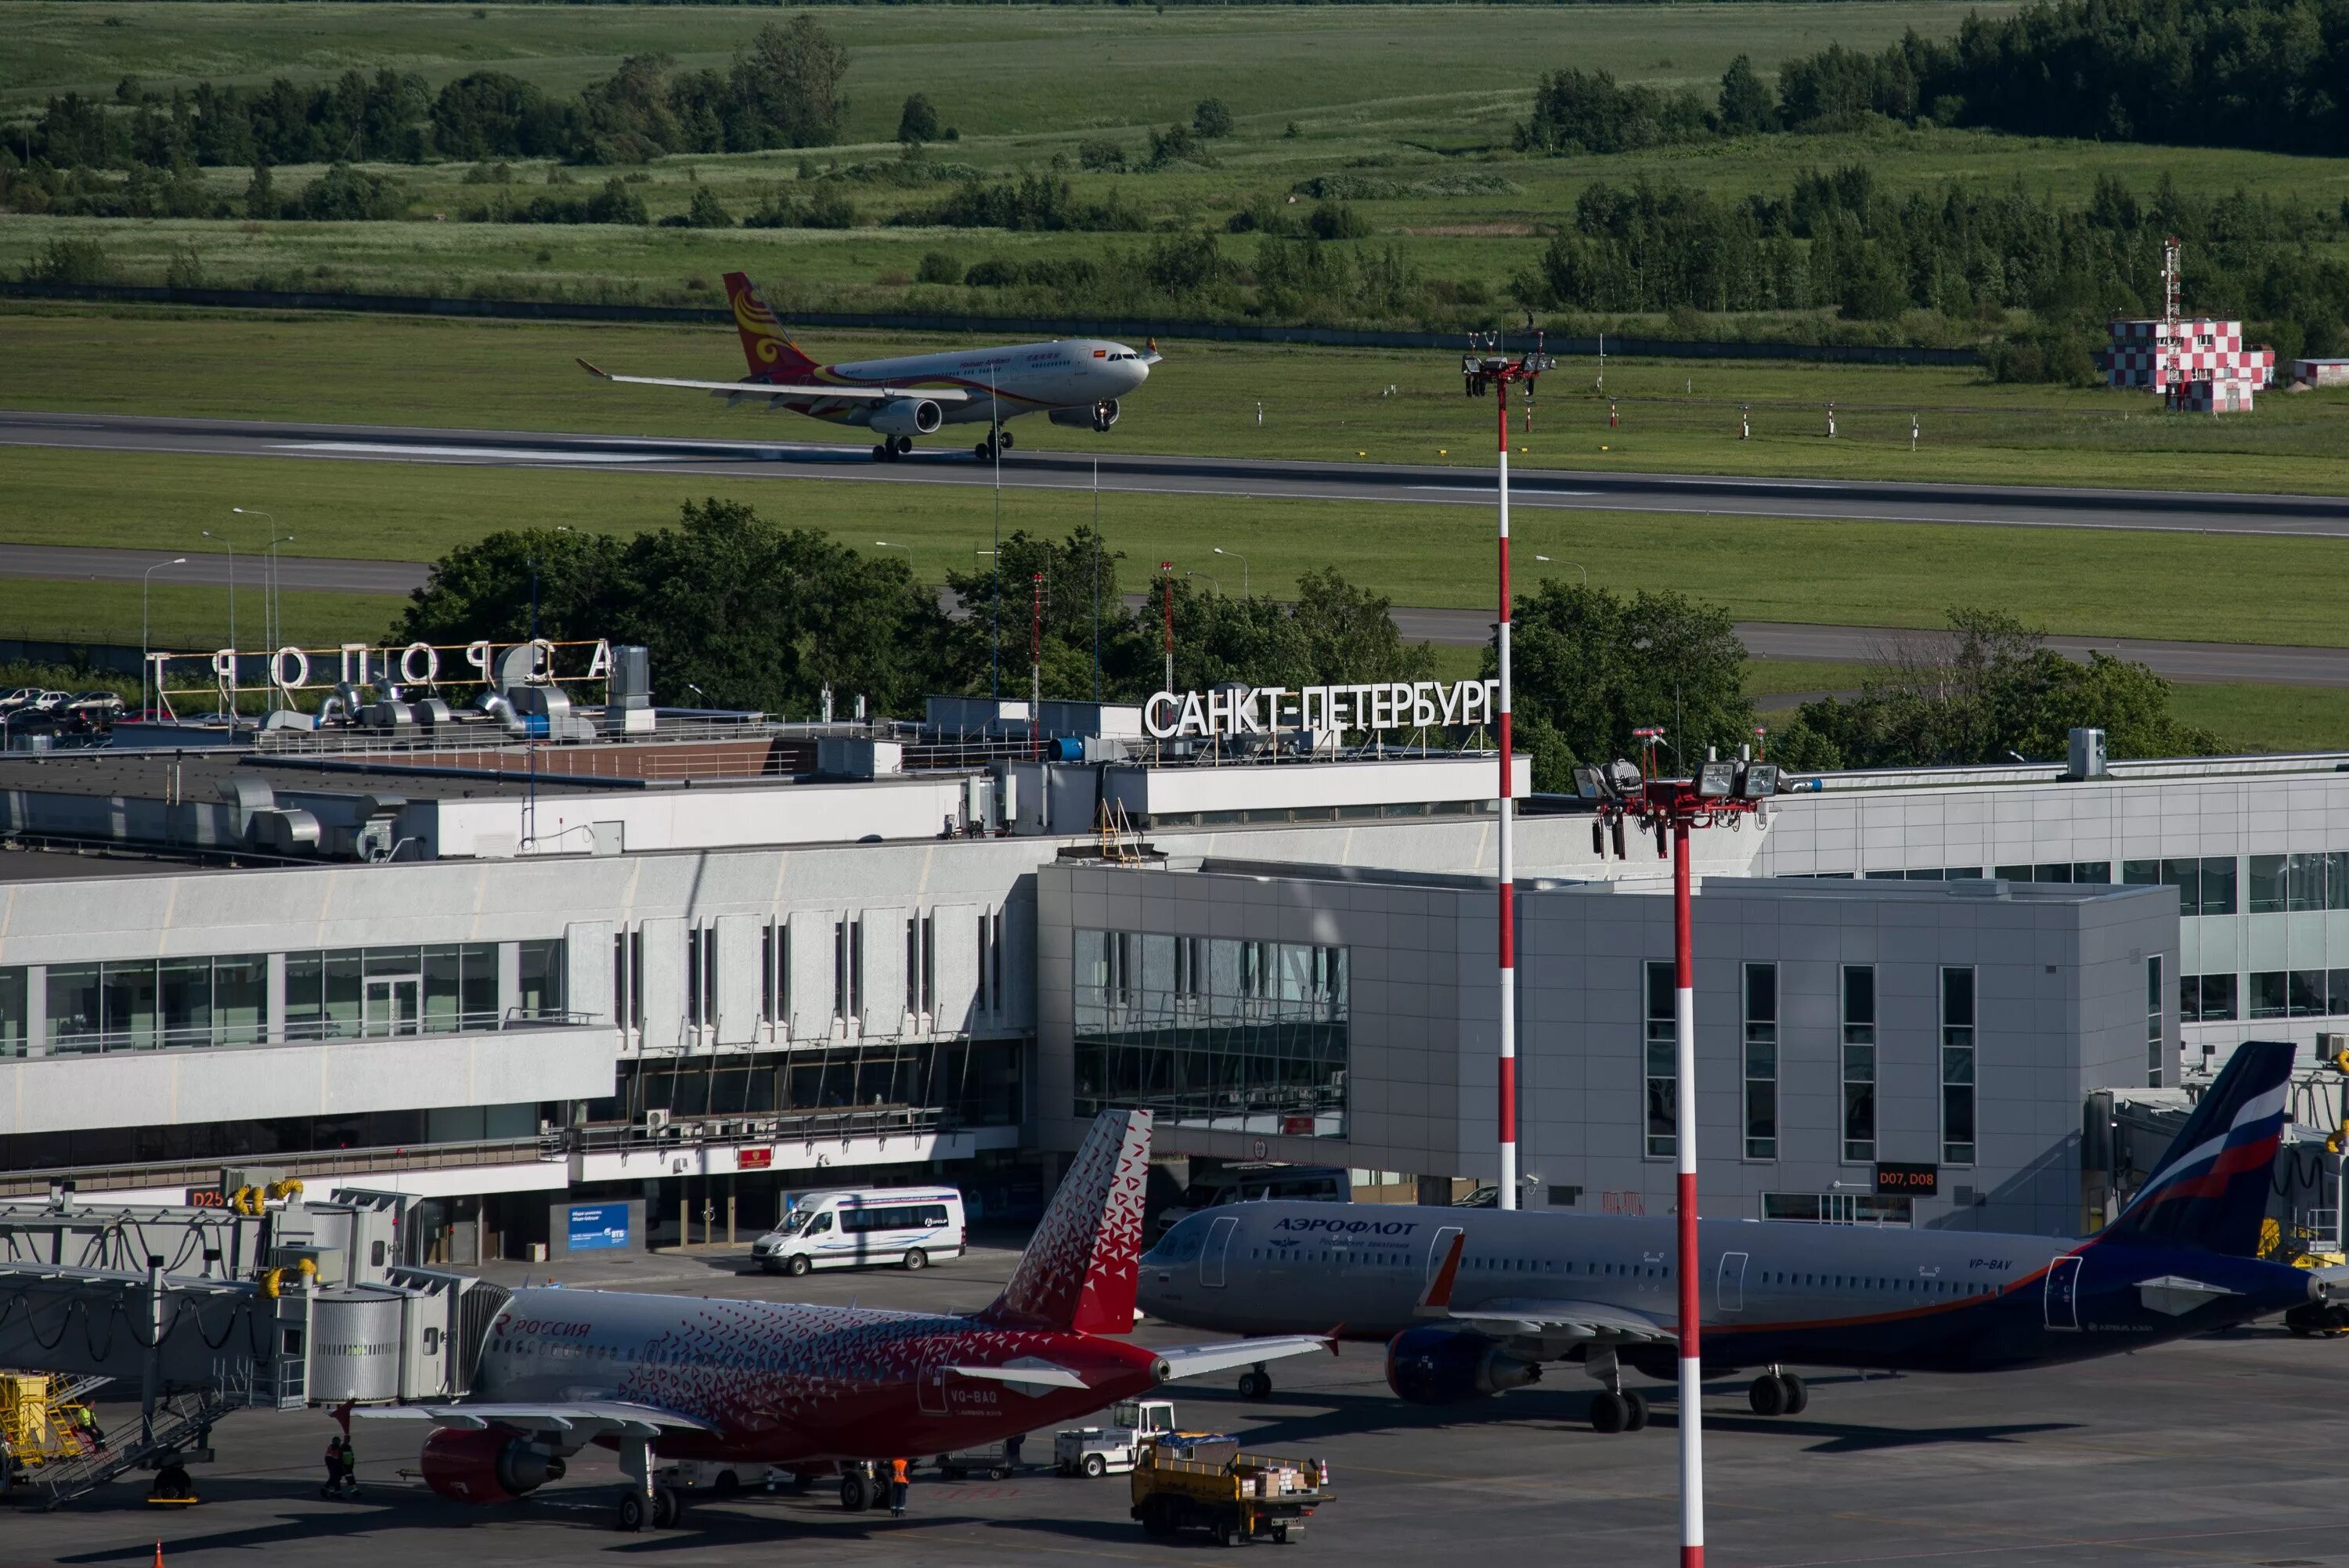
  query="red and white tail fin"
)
[
  {"x": 772, "y": 354},
  {"x": 1080, "y": 1271}
]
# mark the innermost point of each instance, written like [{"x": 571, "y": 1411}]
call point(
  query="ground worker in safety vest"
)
[{"x": 899, "y": 1482}]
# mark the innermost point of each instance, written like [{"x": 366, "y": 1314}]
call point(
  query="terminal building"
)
[{"x": 520, "y": 954}]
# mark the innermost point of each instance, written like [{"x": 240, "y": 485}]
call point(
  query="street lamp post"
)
[
  {"x": 271, "y": 625},
  {"x": 146, "y": 586},
  {"x": 1723, "y": 791},
  {"x": 229, "y": 544},
  {"x": 1578, "y": 565},
  {"x": 1236, "y": 555},
  {"x": 1210, "y": 577}
]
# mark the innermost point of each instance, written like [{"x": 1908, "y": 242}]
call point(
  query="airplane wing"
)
[
  {"x": 1199, "y": 1360},
  {"x": 1538, "y": 1327},
  {"x": 808, "y": 392},
  {"x": 585, "y": 1419}
]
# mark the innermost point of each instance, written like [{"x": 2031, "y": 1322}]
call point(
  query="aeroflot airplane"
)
[
  {"x": 769, "y": 1383},
  {"x": 1073, "y": 381},
  {"x": 1473, "y": 1301}
]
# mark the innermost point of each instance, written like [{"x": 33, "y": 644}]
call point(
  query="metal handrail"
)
[
  {"x": 90, "y": 1179},
  {"x": 780, "y": 1127},
  {"x": 101, "y": 1043}
]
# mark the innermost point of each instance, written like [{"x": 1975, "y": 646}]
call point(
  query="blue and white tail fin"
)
[{"x": 2210, "y": 1188}]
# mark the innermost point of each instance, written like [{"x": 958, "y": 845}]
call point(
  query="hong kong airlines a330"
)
[{"x": 1076, "y": 381}]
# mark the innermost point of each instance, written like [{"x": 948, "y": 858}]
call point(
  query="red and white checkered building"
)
[{"x": 2200, "y": 366}]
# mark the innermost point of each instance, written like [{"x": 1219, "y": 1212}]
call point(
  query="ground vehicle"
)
[
  {"x": 996, "y": 1461},
  {"x": 1111, "y": 1450},
  {"x": 910, "y": 1226},
  {"x": 18, "y": 697},
  {"x": 1245, "y": 1183},
  {"x": 1210, "y": 1484},
  {"x": 96, "y": 704},
  {"x": 47, "y": 701}
]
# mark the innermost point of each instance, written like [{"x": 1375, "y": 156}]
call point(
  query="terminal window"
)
[
  {"x": 172, "y": 1004},
  {"x": 1957, "y": 1065},
  {"x": 1761, "y": 1061},
  {"x": 1859, "y": 1062},
  {"x": 1663, "y": 1063},
  {"x": 1247, "y": 1036}
]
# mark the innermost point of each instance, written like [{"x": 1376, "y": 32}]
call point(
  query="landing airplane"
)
[
  {"x": 1072, "y": 381},
  {"x": 1473, "y": 1301},
  {"x": 774, "y": 1383}
]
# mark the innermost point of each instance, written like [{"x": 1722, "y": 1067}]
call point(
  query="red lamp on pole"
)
[
  {"x": 1495, "y": 372},
  {"x": 1722, "y": 792}
]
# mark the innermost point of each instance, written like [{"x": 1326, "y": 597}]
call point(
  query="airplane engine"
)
[
  {"x": 1099, "y": 416},
  {"x": 496, "y": 1465},
  {"x": 1449, "y": 1367},
  {"x": 909, "y": 416}
]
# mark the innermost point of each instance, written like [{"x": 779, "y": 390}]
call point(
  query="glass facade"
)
[
  {"x": 1663, "y": 1063},
  {"x": 1859, "y": 1062},
  {"x": 172, "y": 1004},
  {"x": 1761, "y": 1061},
  {"x": 1957, "y": 1065},
  {"x": 1250, "y": 1036},
  {"x": 352, "y": 993}
]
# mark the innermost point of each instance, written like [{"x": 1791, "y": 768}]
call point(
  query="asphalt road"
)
[
  {"x": 2190, "y": 662},
  {"x": 2212, "y": 1451},
  {"x": 2015, "y": 506}
]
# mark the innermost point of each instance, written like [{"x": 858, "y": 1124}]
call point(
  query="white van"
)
[{"x": 910, "y": 1226}]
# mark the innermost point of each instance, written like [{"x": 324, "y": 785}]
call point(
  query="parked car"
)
[
  {"x": 49, "y": 701},
  {"x": 18, "y": 697},
  {"x": 100, "y": 705}
]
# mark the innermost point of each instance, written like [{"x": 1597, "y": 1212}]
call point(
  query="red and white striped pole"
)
[
  {"x": 1684, "y": 1145},
  {"x": 1508, "y": 867}
]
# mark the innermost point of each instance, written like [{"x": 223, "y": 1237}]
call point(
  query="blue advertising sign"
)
[{"x": 595, "y": 1226}]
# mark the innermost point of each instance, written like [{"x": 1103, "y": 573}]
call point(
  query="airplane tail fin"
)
[
  {"x": 1080, "y": 1270},
  {"x": 772, "y": 354},
  {"x": 2210, "y": 1188}
]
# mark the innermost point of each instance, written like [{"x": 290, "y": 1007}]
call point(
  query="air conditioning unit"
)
[{"x": 655, "y": 1119}]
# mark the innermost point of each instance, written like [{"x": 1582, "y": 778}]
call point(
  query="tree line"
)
[
  {"x": 2217, "y": 73},
  {"x": 783, "y": 90},
  {"x": 1591, "y": 667},
  {"x": 1837, "y": 240},
  {"x": 760, "y": 615}
]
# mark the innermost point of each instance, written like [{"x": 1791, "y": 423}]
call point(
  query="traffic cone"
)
[{"x": 158, "y": 1554}]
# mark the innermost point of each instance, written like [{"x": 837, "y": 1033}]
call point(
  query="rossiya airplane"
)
[
  {"x": 1476, "y": 1301},
  {"x": 778, "y": 1383},
  {"x": 1076, "y": 381}
]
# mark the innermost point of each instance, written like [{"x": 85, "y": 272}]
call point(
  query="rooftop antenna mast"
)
[{"x": 2169, "y": 279}]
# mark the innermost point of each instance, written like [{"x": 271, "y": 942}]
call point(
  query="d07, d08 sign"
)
[{"x": 1915, "y": 1180}]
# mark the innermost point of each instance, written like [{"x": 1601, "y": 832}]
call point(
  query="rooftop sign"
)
[{"x": 1370, "y": 707}]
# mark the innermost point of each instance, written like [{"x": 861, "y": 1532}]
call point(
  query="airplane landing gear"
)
[
  {"x": 632, "y": 1513},
  {"x": 1778, "y": 1393},
  {"x": 669, "y": 1508},
  {"x": 891, "y": 450},
  {"x": 1615, "y": 1410},
  {"x": 1255, "y": 1384},
  {"x": 994, "y": 446}
]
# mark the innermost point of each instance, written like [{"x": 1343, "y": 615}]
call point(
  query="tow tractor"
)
[
  {"x": 1094, "y": 1452},
  {"x": 1208, "y": 1483}
]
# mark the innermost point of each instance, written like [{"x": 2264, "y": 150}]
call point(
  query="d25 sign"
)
[{"x": 1912, "y": 1180}]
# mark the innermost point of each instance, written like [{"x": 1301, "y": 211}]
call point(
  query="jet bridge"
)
[{"x": 206, "y": 1312}]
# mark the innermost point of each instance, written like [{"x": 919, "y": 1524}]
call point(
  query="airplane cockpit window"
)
[{"x": 1180, "y": 1245}]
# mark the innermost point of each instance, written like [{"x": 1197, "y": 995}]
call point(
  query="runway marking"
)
[{"x": 489, "y": 454}]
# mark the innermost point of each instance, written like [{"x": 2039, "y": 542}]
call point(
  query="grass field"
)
[
  {"x": 1319, "y": 403},
  {"x": 989, "y": 69},
  {"x": 2219, "y": 588},
  {"x": 1403, "y": 93}
]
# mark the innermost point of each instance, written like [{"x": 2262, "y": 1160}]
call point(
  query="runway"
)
[
  {"x": 2015, "y": 506},
  {"x": 2189, "y": 662}
]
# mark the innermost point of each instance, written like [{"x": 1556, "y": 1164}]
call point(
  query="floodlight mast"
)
[
  {"x": 1723, "y": 791},
  {"x": 1498, "y": 371}
]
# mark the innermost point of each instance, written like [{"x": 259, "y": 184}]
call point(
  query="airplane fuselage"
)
[
  {"x": 1003, "y": 380},
  {"x": 783, "y": 1382},
  {"x": 1772, "y": 1294}
]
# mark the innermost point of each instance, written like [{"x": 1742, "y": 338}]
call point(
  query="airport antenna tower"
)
[
  {"x": 2170, "y": 275},
  {"x": 1724, "y": 791},
  {"x": 1486, "y": 366}
]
